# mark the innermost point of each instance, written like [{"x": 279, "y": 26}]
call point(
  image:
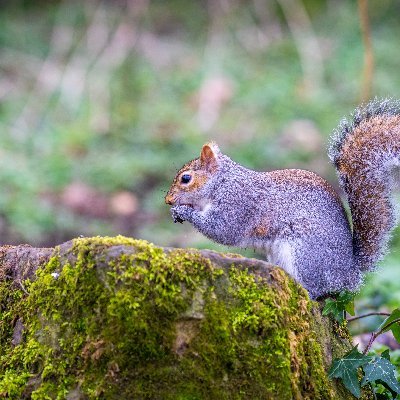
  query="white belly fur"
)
[{"x": 279, "y": 252}]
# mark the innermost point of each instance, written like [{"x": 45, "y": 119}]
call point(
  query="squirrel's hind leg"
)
[{"x": 280, "y": 252}]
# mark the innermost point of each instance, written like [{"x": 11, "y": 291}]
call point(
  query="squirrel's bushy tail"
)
[{"x": 366, "y": 153}]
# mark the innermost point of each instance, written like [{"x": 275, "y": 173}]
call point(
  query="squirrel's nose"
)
[{"x": 169, "y": 200}]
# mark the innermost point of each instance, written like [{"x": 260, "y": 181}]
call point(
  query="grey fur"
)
[
  {"x": 293, "y": 216},
  {"x": 299, "y": 213}
]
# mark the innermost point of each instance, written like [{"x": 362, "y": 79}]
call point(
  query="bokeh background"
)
[{"x": 101, "y": 103}]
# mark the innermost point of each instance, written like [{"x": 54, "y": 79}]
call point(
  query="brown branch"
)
[
  {"x": 374, "y": 335},
  {"x": 368, "y": 69},
  {"x": 366, "y": 315}
]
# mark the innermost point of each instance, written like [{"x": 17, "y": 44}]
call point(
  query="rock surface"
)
[{"x": 118, "y": 318}]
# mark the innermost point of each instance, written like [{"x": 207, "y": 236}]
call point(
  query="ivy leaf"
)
[
  {"x": 388, "y": 389},
  {"x": 385, "y": 395},
  {"x": 346, "y": 369},
  {"x": 347, "y": 298},
  {"x": 386, "y": 354},
  {"x": 331, "y": 307},
  {"x": 395, "y": 328},
  {"x": 383, "y": 370},
  {"x": 344, "y": 302}
]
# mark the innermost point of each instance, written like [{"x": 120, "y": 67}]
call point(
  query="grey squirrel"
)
[{"x": 294, "y": 216}]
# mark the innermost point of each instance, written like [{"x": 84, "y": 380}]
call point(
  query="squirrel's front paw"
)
[
  {"x": 181, "y": 213},
  {"x": 175, "y": 216}
]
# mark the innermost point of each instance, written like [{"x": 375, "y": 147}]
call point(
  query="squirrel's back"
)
[
  {"x": 294, "y": 216},
  {"x": 366, "y": 154}
]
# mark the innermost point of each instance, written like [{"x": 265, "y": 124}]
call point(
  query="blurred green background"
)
[{"x": 101, "y": 103}]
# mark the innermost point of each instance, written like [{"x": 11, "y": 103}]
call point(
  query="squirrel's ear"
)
[{"x": 209, "y": 155}]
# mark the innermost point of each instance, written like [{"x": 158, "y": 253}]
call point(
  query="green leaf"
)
[
  {"x": 331, "y": 307},
  {"x": 388, "y": 389},
  {"x": 386, "y": 354},
  {"x": 381, "y": 369},
  {"x": 346, "y": 368},
  {"x": 344, "y": 302},
  {"x": 395, "y": 328},
  {"x": 350, "y": 308},
  {"x": 394, "y": 315},
  {"x": 383, "y": 396},
  {"x": 396, "y": 331},
  {"x": 347, "y": 300}
]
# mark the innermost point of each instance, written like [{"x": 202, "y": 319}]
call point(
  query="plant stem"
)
[
  {"x": 374, "y": 335},
  {"x": 367, "y": 315}
]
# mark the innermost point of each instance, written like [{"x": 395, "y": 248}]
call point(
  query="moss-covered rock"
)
[{"x": 117, "y": 318}]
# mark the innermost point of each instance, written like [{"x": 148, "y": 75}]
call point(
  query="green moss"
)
[{"x": 144, "y": 323}]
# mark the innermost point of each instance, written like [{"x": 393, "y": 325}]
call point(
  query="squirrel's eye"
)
[{"x": 186, "y": 178}]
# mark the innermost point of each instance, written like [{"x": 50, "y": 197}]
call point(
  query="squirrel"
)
[{"x": 294, "y": 216}]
